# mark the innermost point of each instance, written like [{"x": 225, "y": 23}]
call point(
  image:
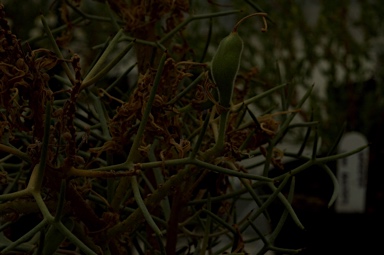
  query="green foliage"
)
[{"x": 111, "y": 135}]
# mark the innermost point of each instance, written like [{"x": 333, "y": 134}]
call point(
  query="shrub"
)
[{"x": 148, "y": 161}]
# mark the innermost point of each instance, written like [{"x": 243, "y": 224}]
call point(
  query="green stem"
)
[
  {"x": 203, "y": 129},
  {"x": 134, "y": 152},
  {"x": 54, "y": 31},
  {"x": 272, "y": 197},
  {"x": 248, "y": 101},
  {"x": 207, "y": 229},
  {"x": 220, "y": 221},
  {"x": 89, "y": 80},
  {"x": 335, "y": 183},
  {"x": 25, "y": 237},
  {"x": 288, "y": 206},
  {"x": 197, "y": 162},
  {"x": 159, "y": 178},
  {"x": 288, "y": 120},
  {"x": 134, "y": 220},
  {"x": 102, "y": 60},
  {"x": 196, "y": 17},
  {"x": 16, "y": 152},
  {"x": 319, "y": 161},
  {"x": 76, "y": 241},
  {"x": 284, "y": 215},
  {"x": 57, "y": 50},
  {"x": 142, "y": 207},
  {"x": 61, "y": 200},
  {"x": 102, "y": 116},
  {"x": 44, "y": 147},
  {"x": 230, "y": 172},
  {"x": 14, "y": 195},
  {"x": 188, "y": 88},
  {"x": 222, "y": 131},
  {"x": 42, "y": 206},
  {"x": 220, "y": 142}
]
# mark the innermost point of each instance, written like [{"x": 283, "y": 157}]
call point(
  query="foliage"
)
[{"x": 144, "y": 161}]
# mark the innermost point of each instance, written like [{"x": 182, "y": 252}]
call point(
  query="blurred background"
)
[{"x": 337, "y": 46}]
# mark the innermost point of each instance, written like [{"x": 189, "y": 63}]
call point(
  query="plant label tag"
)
[{"x": 352, "y": 175}]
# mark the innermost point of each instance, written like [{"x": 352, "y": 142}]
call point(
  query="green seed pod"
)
[
  {"x": 226, "y": 61},
  {"x": 225, "y": 65}
]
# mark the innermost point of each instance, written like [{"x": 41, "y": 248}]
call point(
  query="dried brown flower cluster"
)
[{"x": 24, "y": 80}]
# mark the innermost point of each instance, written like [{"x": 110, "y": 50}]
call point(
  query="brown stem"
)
[
  {"x": 173, "y": 222},
  {"x": 84, "y": 211}
]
